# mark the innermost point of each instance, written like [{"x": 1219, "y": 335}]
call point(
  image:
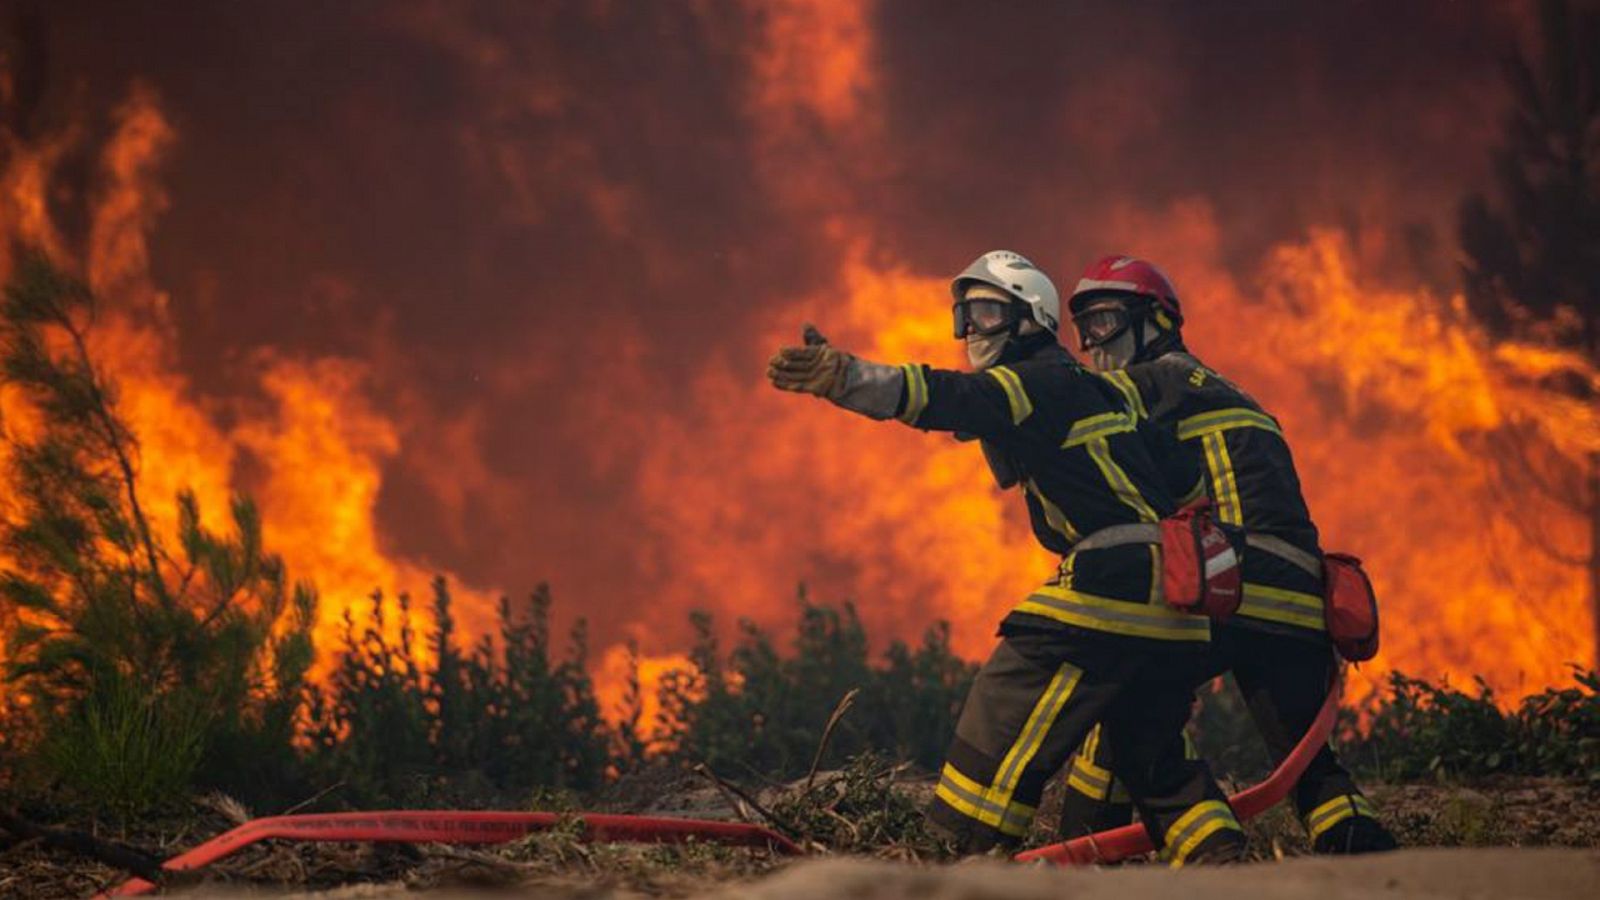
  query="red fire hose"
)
[
  {"x": 1132, "y": 840},
  {"x": 457, "y": 827}
]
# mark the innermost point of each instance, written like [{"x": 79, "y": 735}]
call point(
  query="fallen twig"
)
[
  {"x": 769, "y": 815},
  {"x": 827, "y": 733},
  {"x": 735, "y": 803},
  {"x": 312, "y": 799}
]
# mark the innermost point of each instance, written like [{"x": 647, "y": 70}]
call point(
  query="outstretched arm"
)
[
  {"x": 983, "y": 404},
  {"x": 862, "y": 386}
]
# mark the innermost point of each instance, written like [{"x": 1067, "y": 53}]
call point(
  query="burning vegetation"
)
[{"x": 215, "y": 524}]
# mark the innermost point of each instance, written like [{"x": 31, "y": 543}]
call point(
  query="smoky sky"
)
[{"x": 476, "y": 197}]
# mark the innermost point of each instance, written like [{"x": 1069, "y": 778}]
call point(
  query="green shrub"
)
[
  {"x": 500, "y": 720},
  {"x": 1420, "y": 730},
  {"x": 1560, "y": 729},
  {"x": 757, "y": 709},
  {"x": 124, "y": 751}
]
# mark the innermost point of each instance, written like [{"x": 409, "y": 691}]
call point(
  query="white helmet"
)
[{"x": 1016, "y": 276}]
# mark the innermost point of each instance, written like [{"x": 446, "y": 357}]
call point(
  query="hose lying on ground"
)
[{"x": 464, "y": 827}]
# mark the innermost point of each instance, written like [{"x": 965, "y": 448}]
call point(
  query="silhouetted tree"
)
[{"x": 1532, "y": 254}]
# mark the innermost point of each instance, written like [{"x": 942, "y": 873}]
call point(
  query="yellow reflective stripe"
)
[
  {"x": 1190, "y": 751},
  {"x": 1281, "y": 605},
  {"x": 1219, "y": 420},
  {"x": 1338, "y": 809},
  {"x": 1053, "y": 516},
  {"x": 1121, "y": 484},
  {"x": 1193, "y": 827},
  {"x": 1129, "y": 390},
  {"x": 966, "y": 797},
  {"x": 1097, "y": 427},
  {"x": 1125, "y": 617},
  {"x": 1224, "y": 486},
  {"x": 1016, "y": 397},
  {"x": 1086, "y": 777},
  {"x": 916, "y": 393},
  {"x": 1086, "y": 784},
  {"x": 1027, "y": 745}
]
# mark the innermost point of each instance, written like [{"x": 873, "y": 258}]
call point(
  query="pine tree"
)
[{"x": 144, "y": 659}]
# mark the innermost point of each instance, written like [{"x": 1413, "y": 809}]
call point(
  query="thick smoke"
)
[{"x": 562, "y": 236}]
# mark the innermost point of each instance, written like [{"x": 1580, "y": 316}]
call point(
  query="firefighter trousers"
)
[
  {"x": 1032, "y": 705},
  {"x": 1284, "y": 682}
]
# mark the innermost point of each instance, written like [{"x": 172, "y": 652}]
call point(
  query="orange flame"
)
[
  {"x": 1408, "y": 423},
  {"x": 319, "y": 444}
]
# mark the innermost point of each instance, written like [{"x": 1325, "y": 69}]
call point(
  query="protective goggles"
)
[
  {"x": 984, "y": 317},
  {"x": 1102, "y": 324}
]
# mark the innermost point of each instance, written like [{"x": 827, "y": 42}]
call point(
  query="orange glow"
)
[
  {"x": 815, "y": 58},
  {"x": 616, "y": 667},
  {"x": 318, "y": 443},
  {"x": 1400, "y": 411}
]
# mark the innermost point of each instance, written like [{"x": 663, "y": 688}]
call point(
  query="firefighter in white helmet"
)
[{"x": 1093, "y": 642}]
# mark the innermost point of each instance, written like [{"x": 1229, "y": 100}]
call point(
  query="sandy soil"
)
[
  {"x": 1493, "y": 873},
  {"x": 1454, "y": 873}
]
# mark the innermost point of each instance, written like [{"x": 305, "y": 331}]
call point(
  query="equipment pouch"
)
[
  {"x": 1350, "y": 607},
  {"x": 1200, "y": 562}
]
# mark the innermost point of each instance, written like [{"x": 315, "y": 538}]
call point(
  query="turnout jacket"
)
[
  {"x": 1083, "y": 461},
  {"x": 1250, "y": 476}
]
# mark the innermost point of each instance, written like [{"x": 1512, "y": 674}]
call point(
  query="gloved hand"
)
[{"x": 817, "y": 367}]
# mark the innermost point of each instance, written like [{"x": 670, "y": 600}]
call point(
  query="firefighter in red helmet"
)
[
  {"x": 1129, "y": 322},
  {"x": 1094, "y": 643}
]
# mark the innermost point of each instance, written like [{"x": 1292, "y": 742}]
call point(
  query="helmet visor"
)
[
  {"x": 983, "y": 316},
  {"x": 1101, "y": 325}
]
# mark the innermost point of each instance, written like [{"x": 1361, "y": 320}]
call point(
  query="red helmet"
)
[{"x": 1127, "y": 275}]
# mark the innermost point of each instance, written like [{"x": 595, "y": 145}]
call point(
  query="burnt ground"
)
[{"x": 1481, "y": 820}]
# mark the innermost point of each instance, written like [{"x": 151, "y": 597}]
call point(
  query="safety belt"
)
[{"x": 1150, "y": 533}]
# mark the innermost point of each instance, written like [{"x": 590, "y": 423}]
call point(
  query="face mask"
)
[
  {"x": 984, "y": 351},
  {"x": 1115, "y": 353}
]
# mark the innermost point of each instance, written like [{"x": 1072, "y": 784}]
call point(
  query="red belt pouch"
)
[
  {"x": 1200, "y": 563},
  {"x": 1350, "y": 606}
]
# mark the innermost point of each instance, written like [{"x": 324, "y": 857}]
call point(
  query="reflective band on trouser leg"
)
[
  {"x": 1086, "y": 777},
  {"x": 994, "y": 805},
  {"x": 1126, "y": 617},
  {"x": 967, "y": 797},
  {"x": 1192, "y": 828},
  {"x": 1283, "y": 606},
  {"x": 1337, "y": 810}
]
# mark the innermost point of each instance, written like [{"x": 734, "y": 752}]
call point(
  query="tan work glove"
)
[{"x": 815, "y": 368}]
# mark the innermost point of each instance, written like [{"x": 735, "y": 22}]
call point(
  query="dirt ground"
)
[
  {"x": 1501, "y": 839},
  {"x": 1497, "y": 873}
]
